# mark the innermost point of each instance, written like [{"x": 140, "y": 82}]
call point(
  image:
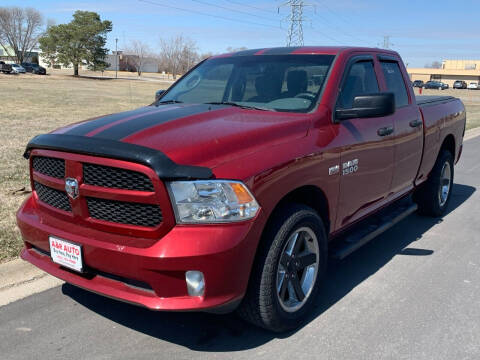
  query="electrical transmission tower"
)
[
  {"x": 386, "y": 42},
  {"x": 295, "y": 19}
]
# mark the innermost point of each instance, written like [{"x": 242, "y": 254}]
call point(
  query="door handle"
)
[
  {"x": 415, "y": 123},
  {"x": 385, "y": 131}
]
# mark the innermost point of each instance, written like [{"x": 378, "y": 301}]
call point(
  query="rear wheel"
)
[
  {"x": 289, "y": 267},
  {"x": 434, "y": 195}
]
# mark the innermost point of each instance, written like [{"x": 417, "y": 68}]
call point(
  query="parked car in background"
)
[
  {"x": 5, "y": 68},
  {"x": 435, "y": 85},
  {"x": 18, "y": 69},
  {"x": 418, "y": 83},
  {"x": 445, "y": 86},
  {"x": 459, "y": 84},
  {"x": 34, "y": 68},
  {"x": 473, "y": 86}
]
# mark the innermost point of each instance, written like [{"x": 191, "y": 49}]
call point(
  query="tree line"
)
[{"x": 82, "y": 41}]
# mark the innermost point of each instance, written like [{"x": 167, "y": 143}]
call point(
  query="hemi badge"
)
[{"x": 334, "y": 170}]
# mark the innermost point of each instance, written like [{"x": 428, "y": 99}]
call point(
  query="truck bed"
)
[
  {"x": 432, "y": 99},
  {"x": 442, "y": 115}
]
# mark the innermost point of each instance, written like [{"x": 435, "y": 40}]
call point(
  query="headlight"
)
[{"x": 211, "y": 201}]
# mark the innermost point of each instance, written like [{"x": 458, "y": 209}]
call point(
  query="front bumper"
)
[{"x": 151, "y": 276}]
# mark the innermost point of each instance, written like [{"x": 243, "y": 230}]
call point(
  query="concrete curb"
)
[{"x": 19, "y": 279}]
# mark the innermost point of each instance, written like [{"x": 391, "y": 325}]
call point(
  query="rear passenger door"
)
[
  {"x": 366, "y": 144},
  {"x": 408, "y": 126}
]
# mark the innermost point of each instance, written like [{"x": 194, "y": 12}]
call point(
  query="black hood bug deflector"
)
[{"x": 155, "y": 159}]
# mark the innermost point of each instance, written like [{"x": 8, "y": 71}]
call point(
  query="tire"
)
[
  {"x": 432, "y": 197},
  {"x": 264, "y": 304}
]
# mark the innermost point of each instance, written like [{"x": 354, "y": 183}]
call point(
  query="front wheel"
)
[
  {"x": 434, "y": 195},
  {"x": 287, "y": 272}
]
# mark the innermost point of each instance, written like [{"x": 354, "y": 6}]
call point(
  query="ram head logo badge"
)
[{"x": 71, "y": 187}]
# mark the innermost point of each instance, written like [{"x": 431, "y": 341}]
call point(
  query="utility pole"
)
[
  {"x": 116, "y": 58},
  {"x": 295, "y": 19}
]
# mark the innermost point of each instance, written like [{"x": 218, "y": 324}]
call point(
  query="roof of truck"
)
[{"x": 303, "y": 50}]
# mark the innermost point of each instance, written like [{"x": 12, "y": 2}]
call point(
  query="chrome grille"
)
[
  {"x": 112, "y": 177},
  {"x": 124, "y": 212},
  {"x": 53, "y": 197},
  {"x": 49, "y": 166}
]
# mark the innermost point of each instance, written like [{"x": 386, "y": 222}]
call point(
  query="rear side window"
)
[
  {"x": 361, "y": 80},
  {"x": 395, "y": 83}
]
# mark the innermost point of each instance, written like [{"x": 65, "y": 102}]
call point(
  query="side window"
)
[
  {"x": 360, "y": 80},
  {"x": 395, "y": 83}
]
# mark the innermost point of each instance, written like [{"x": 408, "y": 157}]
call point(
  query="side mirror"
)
[
  {"x": 368, "y": 105},
  {"x": 159, "y": 94}
]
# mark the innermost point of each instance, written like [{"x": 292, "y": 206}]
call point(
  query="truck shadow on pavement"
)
[{"x": 221, "y": 333}]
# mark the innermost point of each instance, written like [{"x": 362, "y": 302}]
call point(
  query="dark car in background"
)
[
  {"x": 459, "y": 84},
  {"x": 435, "y": 85},
  {"x": 34, "y": 68},
  {"x": 5, "y": 68},
  {"x": 418, "y": 83}
]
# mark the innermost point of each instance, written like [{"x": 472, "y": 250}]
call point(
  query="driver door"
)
[{"x": 367, "y": 146}]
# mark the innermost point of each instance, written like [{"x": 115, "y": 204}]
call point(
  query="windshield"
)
[{"x": 269, "y": 82}]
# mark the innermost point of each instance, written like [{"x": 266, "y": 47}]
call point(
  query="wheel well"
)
[
  {"x": 449, "y": 144},
  {"x": 308, "y": 195}
]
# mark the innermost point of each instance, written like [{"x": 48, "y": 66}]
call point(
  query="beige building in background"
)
[{"x": 466, "y": 70}]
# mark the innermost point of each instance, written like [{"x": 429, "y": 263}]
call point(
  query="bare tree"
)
[
  {"x": 189, "y": 56},
  {"x": 178, "y": 54},
  {"x": 206, "y": 55},
  {"x": 140, "y": 51},
  {"x": 20, "y": 29}
]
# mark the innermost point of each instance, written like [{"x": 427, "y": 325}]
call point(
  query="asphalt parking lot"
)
[{"x": 413, "y": 293}]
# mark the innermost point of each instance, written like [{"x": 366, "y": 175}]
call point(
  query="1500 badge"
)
[{"x": 348, "y": 167}]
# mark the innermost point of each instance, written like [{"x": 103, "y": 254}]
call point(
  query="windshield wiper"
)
[
  {"x": 170, "y": 102},
  {"x": 231, "y": 103}
]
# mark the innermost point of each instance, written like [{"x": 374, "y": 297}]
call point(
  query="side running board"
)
[{"x": 371, "y": 228}]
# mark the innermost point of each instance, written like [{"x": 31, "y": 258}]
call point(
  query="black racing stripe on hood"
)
[
  {"x": 88, "y": 126},
  {"x": 128, "y": 128},
  {"x": 281, "y": 50}
]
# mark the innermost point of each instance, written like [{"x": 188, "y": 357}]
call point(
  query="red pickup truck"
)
[{"x": 232, "y": 189}]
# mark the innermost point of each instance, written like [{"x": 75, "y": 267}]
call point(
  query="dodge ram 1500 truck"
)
[{"x": 233, "y": 187}]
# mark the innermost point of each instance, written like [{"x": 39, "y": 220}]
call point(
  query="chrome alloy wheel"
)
[
  {"x": 445, "y": 183},
  {"x": 297, "y": 269}
]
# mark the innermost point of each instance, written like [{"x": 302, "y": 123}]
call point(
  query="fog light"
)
[{"x": 195, "y": 283}]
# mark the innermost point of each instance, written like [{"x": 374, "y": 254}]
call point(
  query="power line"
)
[
  {"x": 328, "y": 36},
  {"x": 248, "y": 6},
  {"x": 341, "y": 17},
  {"x": 233, "y": 10},
  {"x": 338, "y": 28},
  {"x": 208, "y": 14}
]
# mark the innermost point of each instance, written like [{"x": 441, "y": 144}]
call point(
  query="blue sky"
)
[{"x": 422, "y": 31}]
